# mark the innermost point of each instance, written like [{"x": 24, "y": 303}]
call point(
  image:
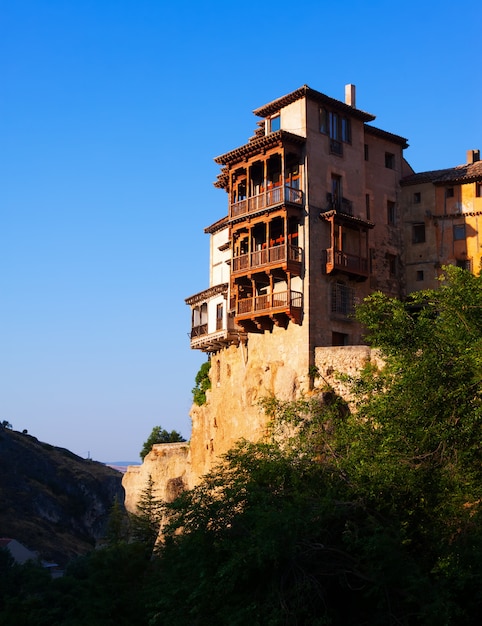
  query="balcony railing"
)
[
  {"x": 342, "y": 261},
  {"x": 270, "y": 197},
  {"x": 269, "y": 303},
  {"x": 267, "y": 256},
  {"x": 198, "y": 331}
]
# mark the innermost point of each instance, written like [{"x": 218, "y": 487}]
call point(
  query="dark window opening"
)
[
  {"x": 391, "y": 213},
  {"x": 219, "y": 317},
  {"x": 366, "y": 151},
  {"x": 367, "y": 205},
  {"x": 418, "y": 233},
  {"x": 390, "y": 160},
  {"x": 419, "y": 275},
  {"x": 392, "y": 265},
  {"x": 336, "y": 193},
  {"x": 338, "y": 129},
  {"x": 465, "y": 264},
  {"x": 449, "y": 192},
  {"x": 342, "y": 299},
  {"x": 417, "y": 197},
  {"x": 339, "y": 339},
  {"x": 459, "y": 232}
]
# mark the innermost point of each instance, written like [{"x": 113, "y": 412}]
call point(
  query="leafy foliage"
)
[
  {"x": 339, "y": 517},
  {"x": 366, "y": 517},
  {"x": 203, "y": 383},
  {"x": 159, "y": 435},
  {"x": 117, "y": 530},
  {"x": 146, "y": 523}
]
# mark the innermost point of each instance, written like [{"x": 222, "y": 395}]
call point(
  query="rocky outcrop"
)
[
  {"x": 169, "y": 466},
  {"x": 53, "y": 501},
  {"x": 240, "y": 377}
]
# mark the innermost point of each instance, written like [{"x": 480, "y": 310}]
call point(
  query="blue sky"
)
[{"x": 111, "y": 112}]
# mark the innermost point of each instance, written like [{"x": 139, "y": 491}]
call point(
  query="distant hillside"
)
[{"x": 51, "y": 500}]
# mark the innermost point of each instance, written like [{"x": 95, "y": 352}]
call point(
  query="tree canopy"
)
[
  {"x": 366, "y": 513},
  {"x": 369, "y": 516},
  {"x": 159, "y": 435}
]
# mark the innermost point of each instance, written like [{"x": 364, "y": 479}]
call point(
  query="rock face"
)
[
  {"x": 240, "y": 377},
  {"x": 53, "y": 501},
  {"x": 169, "y": 466}
]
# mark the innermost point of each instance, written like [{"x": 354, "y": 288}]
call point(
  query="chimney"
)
[
  {"x": 350, "y": 95},
  {"x": 473, "y": 156}
]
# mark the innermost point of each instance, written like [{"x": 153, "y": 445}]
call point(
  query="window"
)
[
  {"x": 478, "y": 190},
  {"x": 323, "y": 121},
  {"x": 292, "y": 178},
  {"x": 366, "y": 151},
  {"x": 392, "y": 265},
  {"x": 465, "y": 264},
  {"x": 342, "y": 299},
  {"x": 338, "y": 128},
  {"x": 275, "y": 123},
  {"x": 391, "y": 213},
  {"x": 336, "y": 194},
  {"x": 417, "y": 197},
  {"x": 367, "y": 205},
  {"x": 419, "y": 275},
  {"x": 219, "y": 317},
  {"x": 418, "y": 233},
  {"x": 459, "y": 232},
  {"x": 339, "y": 339},
  {"x": 449, "y": 192},
  {"x": 345, "y": 130},
  {"x": 390, "y": 160}
]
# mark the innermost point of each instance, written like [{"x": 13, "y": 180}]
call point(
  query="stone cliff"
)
[
  {"x": 240, "y": 377},
  {"x": 53, "y": 501}
]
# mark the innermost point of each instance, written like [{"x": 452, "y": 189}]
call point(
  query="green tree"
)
[
  {"x": 117, "y": 530},
  {"x": 203, "y": 383},
  {"x": 146, "y": 522},
  {"x": 371, "y": 516},
  {"x": 159, "y": 435}
]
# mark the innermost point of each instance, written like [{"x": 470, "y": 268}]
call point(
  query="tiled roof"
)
[
  {"x": 266, "y": 141},
  {"x": 219, "y": 225},
  {"x": 317, "y": 96},
  {"x": 208, "y": 293},
  {"x": 468, "y": 173},
  {"x": 346, "y": 217},
  {"x": 378, "y": 132}
]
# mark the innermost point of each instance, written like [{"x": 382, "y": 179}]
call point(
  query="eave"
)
[{"x": 317, "y": 96}]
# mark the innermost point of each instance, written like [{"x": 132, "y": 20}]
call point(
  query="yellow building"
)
[{"x": 442, "y": 215}]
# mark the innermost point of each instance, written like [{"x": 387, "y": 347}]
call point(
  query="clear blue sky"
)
[{"x": 111, "y": 112}]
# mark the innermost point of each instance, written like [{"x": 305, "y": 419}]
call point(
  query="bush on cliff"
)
[{"x": 371, "y": 517}]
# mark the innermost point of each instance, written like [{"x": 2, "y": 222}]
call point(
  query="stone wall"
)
[{"x": 332, "y": 361}]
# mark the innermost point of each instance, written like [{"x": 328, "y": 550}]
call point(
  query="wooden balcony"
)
[
  {"x": 351, "y": 264},
  {"x": 212, "y": 342},
  {"x": 269, "y": 198},
  {"x": 286, "y": 256},
  {"x": 199, "y": 331},
  {"x": 264, "y": 310}
]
